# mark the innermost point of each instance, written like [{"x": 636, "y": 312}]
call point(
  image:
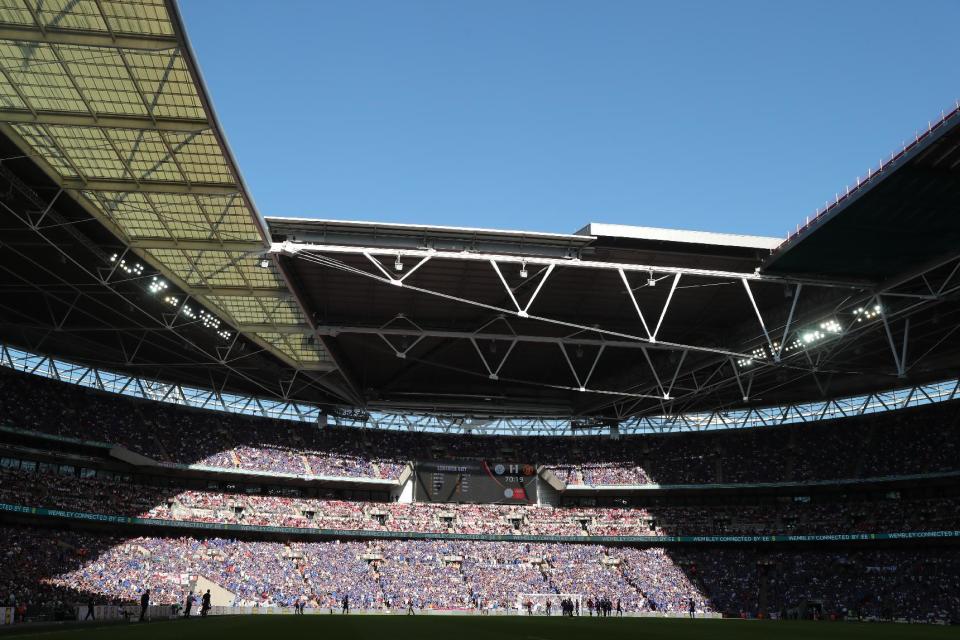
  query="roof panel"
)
[
  {"x": 113, "y": 81},
  {"x": 102, "y": 79},
  {"x": 300, "y": 347},
  {"x": 164, "y": 79},
  {"x": 148, "y": 17},
  {"x": 259, "y": 276},
  {"x": 243, "y": 310},
  {"x": 8, "y": 96},
  {"x": 181, "y": 214},
  {"x": 70, "y": 14},
  {"x": 146, "y": 154},
  {"x": 282, "y": 311},
  {"x": 131, "y": 212},
  {"x": 229, "y": 217},
  {"x": 174, "y": 260},
  {"x": 13, "y": 12},
  {"x": 39, "y": 77},
  {"x": 217, "y": 268},
  {"x": 43, "y": 145},
  {"x": 262, "y": 310},
  {"x": 89, "y": 150},
  {"x": 200, "y": 157},
  {"x": 126, "y": 109}
]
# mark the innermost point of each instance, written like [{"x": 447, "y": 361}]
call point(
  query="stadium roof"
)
[
  {"x": 898, "y": 218},
  {"x": 131, "y": 242},
  {"x": 680, "y": 236},
  {"x": 106, "y": 97}
]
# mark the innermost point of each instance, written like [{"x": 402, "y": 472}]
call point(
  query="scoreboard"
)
[{"x": 480, "y": 481}]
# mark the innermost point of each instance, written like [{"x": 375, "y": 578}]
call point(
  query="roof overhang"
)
[
  {"x": 109, "y": 102},
  {"x": 416, "y": 236},
  {"x": 679, "y": 236},
  {"x": 893, "y": 221}
]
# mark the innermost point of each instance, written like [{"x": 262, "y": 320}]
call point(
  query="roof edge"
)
[
  {"x": 398, "y": 226},
  {"x": 712, "y": 238}
]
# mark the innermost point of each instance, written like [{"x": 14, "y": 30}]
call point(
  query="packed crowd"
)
[
  {"x": 64, "y": 567},
  {"x": 180, "y": 435},
  {"x": 914, "y": 441},
  {"x": 825, "y": 516},
  {"x": 914, "y": 584}
]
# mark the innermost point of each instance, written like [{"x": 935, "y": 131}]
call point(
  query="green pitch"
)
[{"x": 400, "y": 627}]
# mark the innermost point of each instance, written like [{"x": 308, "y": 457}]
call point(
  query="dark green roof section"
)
[{"x": 902, "y": 217}]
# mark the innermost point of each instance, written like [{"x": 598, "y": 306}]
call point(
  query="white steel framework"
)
[
  {"x": 214, "y": 400},
  {"x": 781, "y": 346}
]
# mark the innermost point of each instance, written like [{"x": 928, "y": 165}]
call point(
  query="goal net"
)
[{"x": 538, "y": 602}]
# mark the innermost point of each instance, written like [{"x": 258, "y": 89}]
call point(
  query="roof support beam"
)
[
  {"x": 633, "y": 299},
  {"x": 756, "y": 309},
  {"x": 666, "y": 305},
  {"x": 79, "y": 184},
  {"x": 786, "y": 327},
  {"x": 299, "y": 249},
  {"x": 889, "y": 333},
  {"x": 142, "y": 42},
  {"x": 309, "y": 256},
  {"x": 335, "y": 330},
  {"x": 261, "y": 292},
  {"x": 198, "y": 245},
  {"x": 112, "y": 121},
  {"x": 493, "y": 374}
]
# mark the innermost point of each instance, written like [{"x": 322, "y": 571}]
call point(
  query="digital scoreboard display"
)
[{"x": 479, "y": 481}]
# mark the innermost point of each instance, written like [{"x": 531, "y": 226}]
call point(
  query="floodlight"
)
[{"x": 157, "y": 285}]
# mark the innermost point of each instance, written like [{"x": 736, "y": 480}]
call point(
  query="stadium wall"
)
[{"x": 164, "y": 612}]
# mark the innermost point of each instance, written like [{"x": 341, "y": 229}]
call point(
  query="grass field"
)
[{"x": 399, "y": 627}]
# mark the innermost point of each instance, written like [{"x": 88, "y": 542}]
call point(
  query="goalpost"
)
[{"x": 539, "y": 601}]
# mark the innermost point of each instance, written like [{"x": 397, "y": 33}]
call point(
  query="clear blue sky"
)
[{"x": 740, "y": 117}]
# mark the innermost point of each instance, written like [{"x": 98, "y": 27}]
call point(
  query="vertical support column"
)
[
  {"x": 663, "y": 314},
  {"x": 633, "y": 299},
  {"x": 893, "y": 349},
  {"x": 786, "y": 327},
  {"x": 756, "y": 309}
]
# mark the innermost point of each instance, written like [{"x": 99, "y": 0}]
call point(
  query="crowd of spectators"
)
[
  {"x": 179, "y": 435},
  {"x": 909, "y": 584},
  {"x": 913, "y": 441},
  {"x": 63, "y": 567},
  {"x": 826, "y": 515}
]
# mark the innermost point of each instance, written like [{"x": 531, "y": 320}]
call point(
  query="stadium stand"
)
[
  {"x": 906, "y": 443},
  {"x": 50, "y": 489},
  {"x": 472, "y": 575},
  {"x": 61, "y": 568}
]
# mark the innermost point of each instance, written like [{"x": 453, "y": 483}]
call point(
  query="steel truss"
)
[
  {"x": 155, "y": 328},
  {"x": 897, "y": 299},
  {"x": 675, "y": 389},
  {"x": 140, "y": 115},
  {"x": 216, "y": 400},
  {"x": 582, "y": 334}
]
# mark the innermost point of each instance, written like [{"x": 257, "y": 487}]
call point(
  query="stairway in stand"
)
[{"x": 630, "y": 582}]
